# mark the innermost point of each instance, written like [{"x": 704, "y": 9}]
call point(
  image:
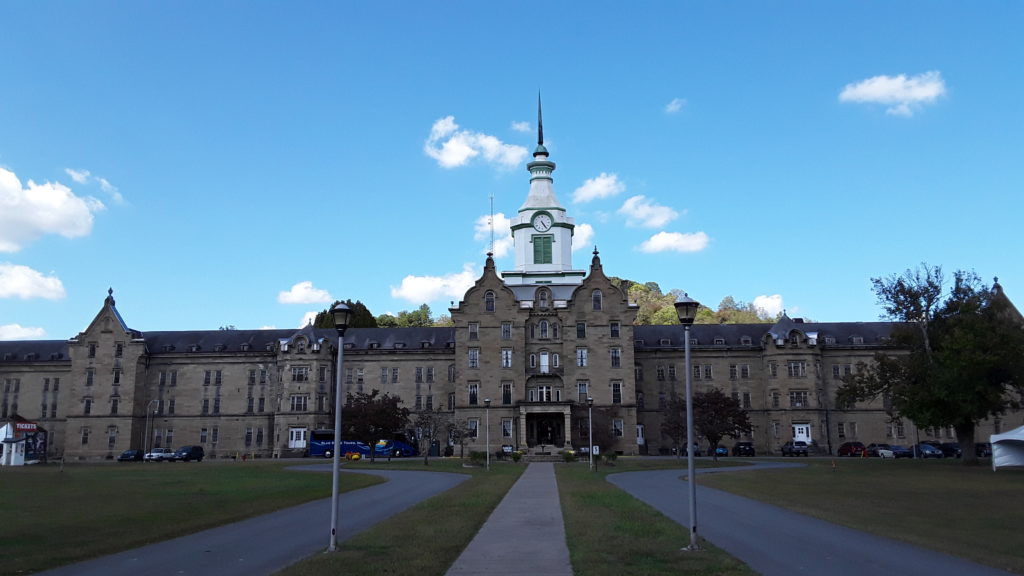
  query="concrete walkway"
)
[{"x": 524, "y": 535}]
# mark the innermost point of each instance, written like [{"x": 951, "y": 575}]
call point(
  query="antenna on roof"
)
[{"x": 540, "y": 123}]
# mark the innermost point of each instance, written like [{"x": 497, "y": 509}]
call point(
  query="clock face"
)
[{"x": 542, "y": 222}]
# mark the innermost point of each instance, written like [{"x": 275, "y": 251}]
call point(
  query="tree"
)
[
  {"x": 372, "y": 417},
  {"x": 458, "y": 432},
  {"x": 716, "y": 416},
  {"x": 957, "y": 357},
  {"x": 360, "y": 318},
  {"x": 431, "y": 426}
]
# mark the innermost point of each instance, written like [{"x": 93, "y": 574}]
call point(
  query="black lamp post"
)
[
  {"x": 686, "y": 310},
  {"x": 487, "y": 430},
  {"x": 590, "y": 430},
  {"x": 341, "y": 314}
]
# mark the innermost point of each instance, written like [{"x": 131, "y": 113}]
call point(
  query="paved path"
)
[
  {"x": 775, "y": 541},
  {"x": 524, "y": 535},
  {"x": 268, "y": 543}
]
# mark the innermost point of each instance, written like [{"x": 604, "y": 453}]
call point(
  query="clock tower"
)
[{"x": 541, "y": 231}]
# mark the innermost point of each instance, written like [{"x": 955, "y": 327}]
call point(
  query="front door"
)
[
  {"x": 297, "y": 438},
  {"x": 802, "y": 431},
  {"x": 545, "y": 429}
]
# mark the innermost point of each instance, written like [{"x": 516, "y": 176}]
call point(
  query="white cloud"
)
[
  {"x": 28, "y": 213},
  {"x": 771, "y": 304},
  {"x": 502, "y": 234},
  {"x": 85, "y": 177},
  {"x": 675, "y": 105},
  {"x": 452, "y": 147},
  {"x": 582, "y": 237},
  {"x": 602, "y": 186},
  {"x": 23, "y": 282},
  {"x": 304, "y": 293},
  {"x": 421, "y": 289},
  {"x": 19, "y": 332},
  {"x": 521, "y": 126},
  {"x": 640, "y": 211},
  {"x": 902, "y": 94},
  {"x": 675, "y": 242},
  {"x": 308, "y": 318}
]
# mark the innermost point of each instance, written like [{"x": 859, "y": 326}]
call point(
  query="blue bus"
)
[{"x": 321, "y": 445}]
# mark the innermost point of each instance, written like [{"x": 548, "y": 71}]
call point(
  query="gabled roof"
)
[{"x": 34, "y": 351}]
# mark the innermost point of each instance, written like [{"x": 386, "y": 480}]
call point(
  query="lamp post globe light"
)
[
  {"x": 341, "y": 314},
  {"x": 686, "y": 310},
  {"x": 487, "y": 429},
  {"x": 590, "y": 431}
]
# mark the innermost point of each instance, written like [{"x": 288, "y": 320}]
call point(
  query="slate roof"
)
[
  {"x": 34, "y": 350},
  {"x": 873, "y": 333}
]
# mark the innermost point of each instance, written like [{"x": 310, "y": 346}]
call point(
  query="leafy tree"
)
[
  {"x": 716, "y": 416},
  {"x": 458, "y": 432},
  {"x": 957, "y": 358},
  {"x": 431, "y": 426},
  {"x": 732, "y": 311},
  {"x": 444, "y": 320},
  {"x": 419, "y": 317},
  {"x": 360, "y": 318},
  {"x": 372, "y": 417},
  {"x": 387, "y": 321}
]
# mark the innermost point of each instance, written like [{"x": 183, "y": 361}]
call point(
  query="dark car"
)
[
  {"x": 130, "y": 456},
  {"x": 950, "y": 450},
  {"x": 901, "y": 451},
  {"x": 925, "y": 450},
  {"x": 189, "y": 453},
  {"x": 983, "y": 450},
  {"x": 743, "y": 449},
  {"x": 794, "y": 448},
  {"x": 852, "y": 449}
]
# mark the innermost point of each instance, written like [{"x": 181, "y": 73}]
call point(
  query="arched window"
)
[
  {"x": 598, "y": 299},
  {"x": 543, "y": 328},
  {"x": 533, "y": 360},
  {"x": 489, "y": 301},
  {"x": 555, "y": 361},
  {"x": 542, "y": 298}
]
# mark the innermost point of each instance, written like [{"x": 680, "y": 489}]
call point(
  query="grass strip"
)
[
  {"x": 611, "y": 533},
  {"x": 54, "y": 517},
  {"x": 966, "y": 511},
  {"x": 427, "y": 538}
]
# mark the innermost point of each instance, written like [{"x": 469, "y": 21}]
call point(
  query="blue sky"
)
[{"x": 247, "y": 163}]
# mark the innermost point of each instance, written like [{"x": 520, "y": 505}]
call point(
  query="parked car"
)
[
  {"x": 880, "y": 450},
  {"x": 159, "y": 455},
  {"x": 983, "y": 450},
  {"x": 950, "y": 449},
  {"x": 925, "y": 450},
  {"x": 189, "y": 453},
  {"x": 794, "y": 448},
  {"x": 721, "y": 450},
  {"x": 743, "y": 449},
  {"x": 130, "y": 456},
  {"x": 901, "y": 451},
  {"x": 852, "y": 449}
]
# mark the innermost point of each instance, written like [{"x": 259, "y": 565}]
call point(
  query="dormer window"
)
[
  {"x": 245, "y": 347},
  {"x": 794, "y": 339},
  {"x": 857, "y": 339},
  {"x": 719, "y": 341},
  {"x": 543, "y": 299},
  {"x": 665, "y": 342},
  {"x": 830, "y": 340},
  {"x": 745, "y": 341}
]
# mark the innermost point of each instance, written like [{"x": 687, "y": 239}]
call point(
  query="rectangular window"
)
[
  {"x": 733, "y": 371},
  {"x": 798, "y": 399},
  {"x": 745, "y": 371},
  {"x": 841, "y": 430},
  {"x": 430, "y": 402},
  {"x": 616, "y": 392},
  {"x": 672, "y": 372},
  {"x": 299, "y": 402},
  {"x": 506, "y": 330},
  {"x": 85, "y": 436},
  {"x": 707, "y": 371},
  {"x": 746, "y": 400},
  {"x": 322, "y": 375},
  {"x": 216, "y": 405},
  {"x": 217, "y": 378},
  {"x": 206, "y": 406},
  {"x": 117, "y": 377},
  {"x": 613, "y": 329},
  {"x": 118, "y": 349},
  {"x": 259, "y": 437},
  {"x": 474, "y": 392},
  {"x": 300, "y": 373},
  {"x": 474, "y": 427},
  {"x": 214, "y": 435},
  {"x": 776, "y": 398},
  {"x": 583, "y": 390},
  {"x": 250, "y": 403},
  {"x": 206, "y": 378},
  {"x": 581, "y": 329},
  {"x": 474, "y": 330},
  {"x": 506, "y": 393},
  {"x": 92, "y": 349},
  {"x": 451, "y": 401},
  {"x": 506, "y": 357},
  {"x": 581, "y": 356},
  {"x": 773, "y": 370},
  {"x": 542, "y": 249},
  {"x": 252, "y": 377},
  {"x": 203, "y": 435},
  {"x": 383, "y": 375},
  {"x": 113, "y": 406},
  {"x": 696, "y": 372},
  {"x": 617, "y": 427},
  {"x": 474, "y": 357},
  {"x": 87, "y": 407},
  {"x": 616, "y": 357},
  {"x": 261, "y": 405},
  {"x": 394, "y": 375},
  {"x": 430, "y": 374},
  {"x": 348, "y": 374},
  {"x": 89, "y": 375},
  {"x": 797, "y": 369},
  {"x": 263, "y": 377},
  {"x": 506, "y": 427},
  {"x": 419, "y": 403},
  {"x": 419, "y": 374}
]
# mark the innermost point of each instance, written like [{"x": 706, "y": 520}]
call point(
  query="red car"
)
[{"x": 852, "y": 449}]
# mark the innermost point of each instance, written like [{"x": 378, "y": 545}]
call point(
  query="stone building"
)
[{"x": 527, "y": 349}]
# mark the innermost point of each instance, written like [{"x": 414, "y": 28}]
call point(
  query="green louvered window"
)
[{"x": 542, "y": 249}]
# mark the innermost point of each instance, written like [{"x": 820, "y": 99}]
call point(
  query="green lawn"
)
[
  {"x": 53, "y": 517},
  {"x": 610, "y": 532},
  {"x": 967, "y": 511}
]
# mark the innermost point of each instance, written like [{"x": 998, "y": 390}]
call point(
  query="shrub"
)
[
  {"x": 569, "y": 456},
  {"x": 610, "y": 457},
  {"x": 517, "y": 456},
  {"x": 478, "y": 458}
]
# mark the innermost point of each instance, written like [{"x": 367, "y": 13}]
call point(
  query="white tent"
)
[{"x": 1008, "y": 448}]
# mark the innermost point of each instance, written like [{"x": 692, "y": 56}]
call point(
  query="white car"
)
[{"x": 159, "y": 455}]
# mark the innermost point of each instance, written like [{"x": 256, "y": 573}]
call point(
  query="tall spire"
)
[{"x": 540, "y": 123}]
